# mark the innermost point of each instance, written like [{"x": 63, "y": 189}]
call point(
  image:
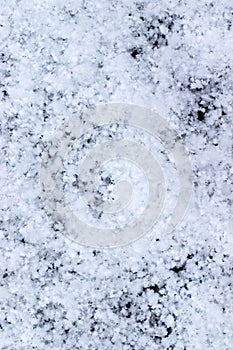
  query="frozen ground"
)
[{"x": 164, "y": 291}]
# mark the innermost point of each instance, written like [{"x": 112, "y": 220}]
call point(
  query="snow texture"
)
[{"x": 163, "y": 291}]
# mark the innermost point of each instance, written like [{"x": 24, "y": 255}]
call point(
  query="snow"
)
[{"x": 59, "y": 58}]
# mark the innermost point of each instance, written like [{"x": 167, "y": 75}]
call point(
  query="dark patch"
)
[
  {"x": 140, "y": 6},
  {"x": 190, "y": 256},
  {"x": 203, "y": 98},
  {"x": 169, "y": 331},
  {"x": 123, "y": 307},
  {"x": 54, "y": 227},
  {"x": 3, "y": 58},
  {"x": 178, "y": 269},
  {"x": 200, "y": 116},
  {"x": 154, "y": 287},
  {"x": 149, "y": 28},
  {"x": 223, "y": 112},
  {"x": 5, "y": 93},
  {"x": 93, "y": 326},
  {"x": 108, "y": 180},
  {"x": 45, "y": 114},
  {"x": 75, "y": 183},
  {"x": 135, "y": 52},
  {"x": 153, "y": 320},
  {"x": 52, "y": 267}
]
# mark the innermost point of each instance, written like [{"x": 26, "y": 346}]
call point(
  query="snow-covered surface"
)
[{"x": 162, "y": 292}]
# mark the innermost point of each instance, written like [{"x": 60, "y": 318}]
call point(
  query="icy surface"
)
[{"x": 162, "y": 292}]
